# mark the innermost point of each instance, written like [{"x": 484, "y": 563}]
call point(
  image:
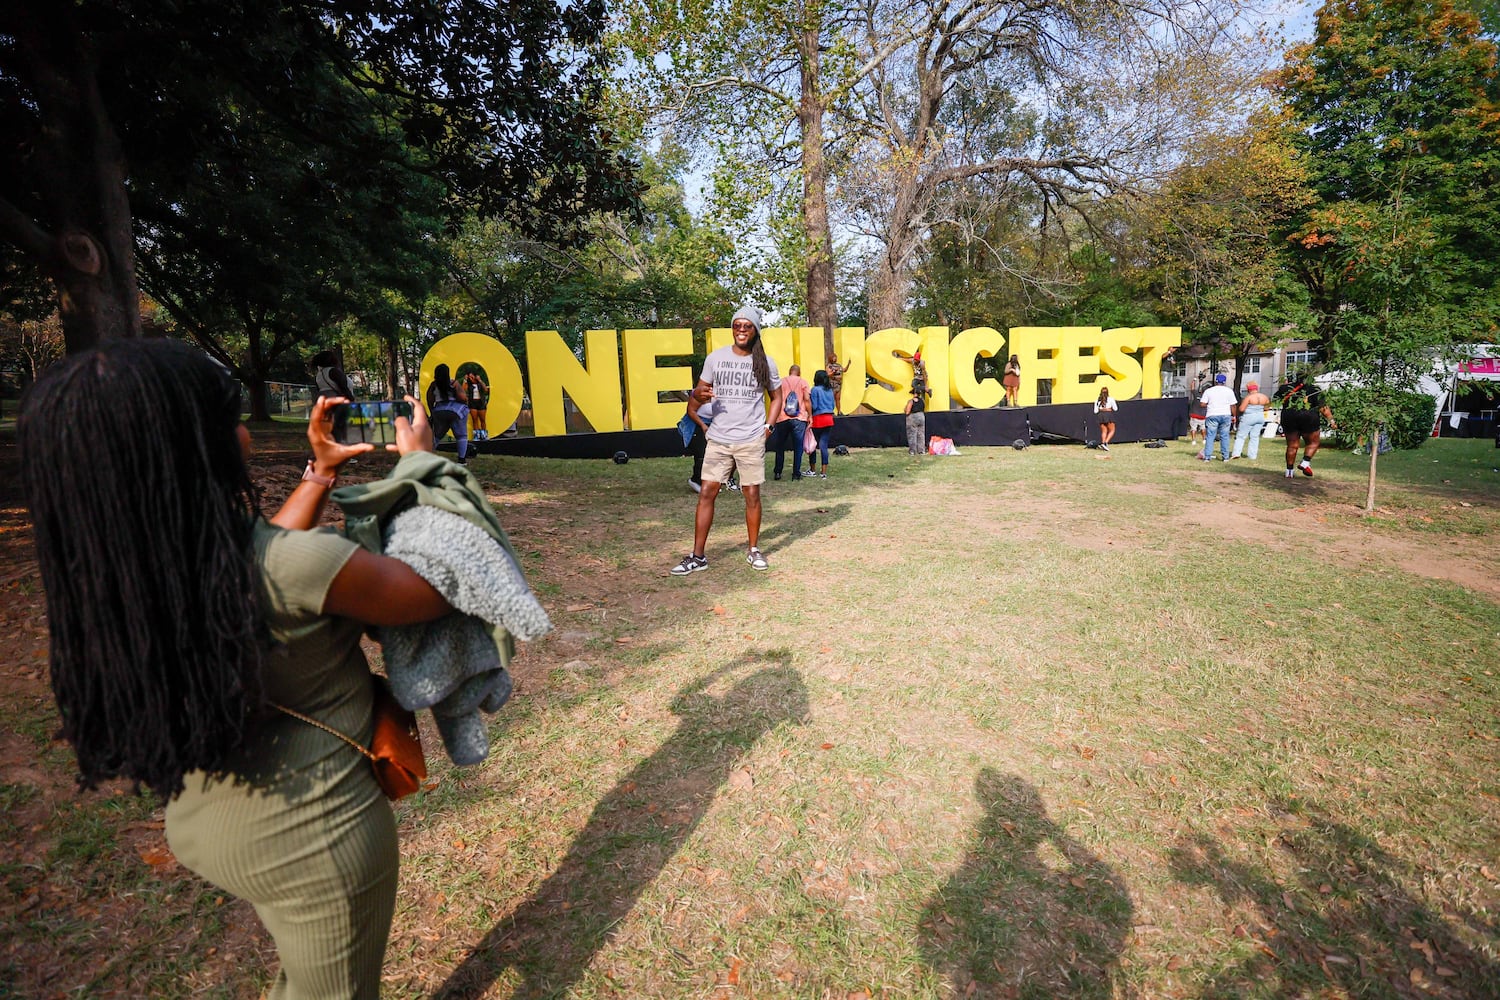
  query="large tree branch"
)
[
  {"x": 741, "y": 83},
  {"x": 17, "y": 227}
]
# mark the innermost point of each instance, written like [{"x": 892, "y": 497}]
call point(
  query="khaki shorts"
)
[{"x": 719, "y": 460}]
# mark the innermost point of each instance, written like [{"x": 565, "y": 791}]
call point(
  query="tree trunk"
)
[
  {"x": 822, "y": 301},
  {"x": 83, "y": 242},
  {"x": 255, "y": 377},
  {"x": 393, "y": 369}
]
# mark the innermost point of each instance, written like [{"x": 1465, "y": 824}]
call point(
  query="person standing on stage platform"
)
[
  {"x": 1012, "y": 380},
  {"x": 1106, "y": 407}
]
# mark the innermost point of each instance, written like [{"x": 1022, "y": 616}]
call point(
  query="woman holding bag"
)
[
  {"x": 195, "y": 616},
  {"x": 821, "y": 426}
]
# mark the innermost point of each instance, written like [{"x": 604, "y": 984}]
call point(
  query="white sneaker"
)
[
  {"x": 1290, "y": 473},
  {"x": 756, "y": 560},
  {"x": 695, "y": 487}
]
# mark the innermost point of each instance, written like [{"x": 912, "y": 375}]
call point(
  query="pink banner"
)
[{"x": 1480, "y": 366}]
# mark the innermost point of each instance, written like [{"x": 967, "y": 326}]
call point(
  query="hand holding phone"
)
[
  {"x": 413, "y": 432},
  {"x": 372, "y": 422}
]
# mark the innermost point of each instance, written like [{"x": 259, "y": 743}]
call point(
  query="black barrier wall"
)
[{"x": 1137, "y": 420}]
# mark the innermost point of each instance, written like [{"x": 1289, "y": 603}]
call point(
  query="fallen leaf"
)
[
  {"x": 1174, "y": 963},
  {"x": 1291, "y": 904},
  {"x": 1079, "y": 881},
  {"x": 459, "y": 844},
  {"x": 1485, "y": 871},
  {"x": 1417, "y": 977},
  {"x": 1325, "y": 888},
  {"x": 741, "y": 780},
  {"x": 1268, "y": 623},
  {"x": 1008, "y": 827},
  {"x": 1443, "y": 970},
  {"x": 718, "y": 609},
  {"x": 623, "y": 639},
  {"x": 1337, "y": 960},
  {"x": 156, "y": 856},
  {"x": 973, "y": 985},
  {"x": 579, "y": 607},
  {"x": 735, "y": 965},
  {"x": 1087, "y": 753},
  {"x": 826, "y": 746},
  {"x": 628, "y": 787}
]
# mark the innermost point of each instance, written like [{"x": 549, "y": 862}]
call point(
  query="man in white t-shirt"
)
[
  {"x": 1218, "y": 402},
  {"x": 738, "y": 378}
]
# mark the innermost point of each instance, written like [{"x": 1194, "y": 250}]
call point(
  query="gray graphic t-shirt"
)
[{"x": 741, "y": 413}]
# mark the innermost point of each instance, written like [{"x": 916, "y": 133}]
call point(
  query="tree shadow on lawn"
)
[
  {"x": 1344, "y": 920},
  {"x": 634, "y": 831},
  {"x": 1031, "y": 913}
]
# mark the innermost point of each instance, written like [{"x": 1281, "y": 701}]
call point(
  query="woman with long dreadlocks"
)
[
  {"x": 739, "y": 377},
  {"x": 179, "y": 615}
]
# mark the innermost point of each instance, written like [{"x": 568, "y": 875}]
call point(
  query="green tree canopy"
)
[{"x": 107, "y": 100}]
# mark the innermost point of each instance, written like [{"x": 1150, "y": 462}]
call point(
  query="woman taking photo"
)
[
  {"x": 1106, "y": 407},
  {"x": 1012, "y": 380},
  {"x": 179, "y": 617}
]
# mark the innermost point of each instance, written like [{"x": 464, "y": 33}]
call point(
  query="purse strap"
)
[{"x": 326, "y": 728}]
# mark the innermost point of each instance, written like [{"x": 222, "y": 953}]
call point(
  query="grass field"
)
[{"x": 1008, "y": 724}]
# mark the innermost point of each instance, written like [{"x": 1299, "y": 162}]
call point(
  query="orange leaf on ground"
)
[
  {"x": 157, "y": 856},
  {"x": 735, "y": 965},
  {"x": 1174, "y": 963},
  {"x": 718, "y": 609},
  {"x": 826, "y": 746}
]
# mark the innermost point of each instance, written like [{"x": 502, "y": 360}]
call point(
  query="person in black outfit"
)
[{"x": 1302, "y": 403}]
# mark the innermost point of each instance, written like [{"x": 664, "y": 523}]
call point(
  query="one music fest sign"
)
[{"x": 619, "y": 382}]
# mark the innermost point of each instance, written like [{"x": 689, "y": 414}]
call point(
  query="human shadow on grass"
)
[
  {"x": 782, "y": 528},
  {"x": 550, "y": 939},
  {"x": 1031, "y": 913},
  {"x": 1339, "y": 916}
]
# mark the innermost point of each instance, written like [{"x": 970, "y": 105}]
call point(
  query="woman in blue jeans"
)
[
  {"x": 448, "y": 411},
  {"x": 822, "y": 418}
]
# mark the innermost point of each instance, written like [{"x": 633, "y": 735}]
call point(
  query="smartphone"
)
[{"x": 370, "y": 422}]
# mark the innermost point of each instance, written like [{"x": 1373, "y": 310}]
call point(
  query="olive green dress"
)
[{"x": 300, "y": 829}]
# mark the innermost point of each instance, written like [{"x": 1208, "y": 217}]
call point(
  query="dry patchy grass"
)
[{"x": 1012, "y": 724}]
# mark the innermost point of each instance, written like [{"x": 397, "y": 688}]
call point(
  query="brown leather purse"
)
[{"x": 395, "y": 750}]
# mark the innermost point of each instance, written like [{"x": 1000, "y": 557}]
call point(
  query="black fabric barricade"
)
[{"x": 1137, "y": 420}]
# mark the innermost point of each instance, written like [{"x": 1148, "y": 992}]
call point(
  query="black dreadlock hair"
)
[
  {"x": 145, "y": 546},
  {"x": 758, "y": 363}
]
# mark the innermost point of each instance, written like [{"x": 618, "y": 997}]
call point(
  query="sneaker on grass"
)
[
  {"x": 754, "y": 558},
  {"x": 1306, "y": 467},
  {"x": 1290, "y": 473},
  {"x": 695, "y": 487},
  {"x": 690, "y": 564},
  {"x": 734, "y": 485}
]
